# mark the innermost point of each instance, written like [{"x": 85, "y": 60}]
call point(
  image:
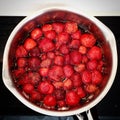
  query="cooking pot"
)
[{"x": 42, "y": 16}]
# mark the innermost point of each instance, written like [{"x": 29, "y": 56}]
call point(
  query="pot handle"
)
[{"x": 82, "y": 117}]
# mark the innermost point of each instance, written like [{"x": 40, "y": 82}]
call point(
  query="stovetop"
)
[{"x": 107, "y": 109}]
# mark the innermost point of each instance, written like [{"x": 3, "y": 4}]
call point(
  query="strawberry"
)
[
  {"x": 45, "y": 87},
  {"x": 33, "y": 63},
  {"x": 76, "y": 80},
  {"x": 67, "y": 59},
  {"x": 50, "y": 100},
  {"x": 21, "y": 52},
  {"x": 50, "y": 34},
  {"x": 96, "y": 77},
  {"x": 61, "y": 103},
  {"x": 29, "y": 44},
  {"x": 33, "y": 77},
  {"x": 18, "y": 72},
  {"x": 68, "y": 70},
  {"x": 74, "y": 44},
  {"x": 35, "y": 96},
  {"x": 21, "y": 62},
  {"x": 46, "y": 63},
  {"x": 58, "y": 84},
  {"x": 76, "y": 35},
  {"x": 91, "y": 88},
  {"x": 59, "y": 60},
  {"x": 92, "y": 64},
  {"x": 79, "y": 67},
  {"x": 81, "y": 92},
  {"x": 59, "y": 94},
  {"x": 58, "y": 27},
  {"x": 72, "y": 98},
  {"x": 63, "y": 38},
  {"x": 56, "y": 73},
  {"x": 67, "y": 84},
  {"x": 35, "y": 52},
  {"x": 51, "y": 55},
  {"x": 88, "y": 40},
  {"x": 95, "y": 53},
  {"x": 84, "y": 59},
  {"x": 46, "y": 45},
  {"x": 43, "y": 71},
  {"x": 82, "y": 49},
  {"x": 64, "y": 49},
  {"x": 71, "y": 27},
  {"x": 28, "y": 88},
  {"x": 36, "y": 33},
  {"x": 86, "y": 77},
  {"x": 75, "y": 57},
  {"x": 47, "y": 27}
]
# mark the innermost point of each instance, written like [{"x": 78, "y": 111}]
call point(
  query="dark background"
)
[{"x": 107, "y": 109}]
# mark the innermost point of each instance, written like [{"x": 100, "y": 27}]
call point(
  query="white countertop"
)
[{"x": 92, "y": 7}]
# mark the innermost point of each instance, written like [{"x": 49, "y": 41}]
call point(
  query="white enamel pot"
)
[{"x": 63, "y": 13}]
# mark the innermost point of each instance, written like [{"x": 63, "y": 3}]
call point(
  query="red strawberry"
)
[
  {"x": 88, "y": 40},
  {"x": 33, "y": 77},
  {"x": 51, "y": 55},
  {"x": 67, "y": 59},
  {"x": 94, "y": 53},
  {"x": 92, "y": 64},
  {"x": 86, "y": 77},
  {"x": 58, "y": 84},
  {"x": 35, "y": 96},
  {"x": 46, "y": 45},
  {"x": 76, "y": 80},
  {"x": 29, "y": 44},
  {"x": 46, "y": 27},
  {"x": 28, "y": 88},
  {"x": 50, "y": 101},
  {"x": 91, "y": 88},
  {"x": 71, "y": 27},
  {"x": 84, "y": 59},
  {"x": 67, "y": 84},
  {"x": 59, "y": 94},
  {"x": 81, "y": 92},
  {"x": 21, "y": 52},
  {"x": 76, "y": 35},
  {"x": 64, "y": 49},
  {"x": 36, "y": 33},
  {"x": 35, "y": 52},
  {"x": 61, "y": 103},
  {"x": 68, "y": 70},
  {"x": 82, "y": 49},
  {"x": 56, "y": 73},
  {"x": 21, "y": 62},
  {"x": 43, "y": 71},
  {"x": 59, "y": 60},
  {"x": 50, "y": 34},
  {"x": 63, "y": 38},
  {"x": 75, "y": 44},
  {"x": 18, "y": 72},
  {"x": 100, "y": 65},
  {"x": 46, "y": 63},
  {"x": 96, "y": 77},
  {"x": 58, "y": 27},
  {"x": 72, "y": 98},
  {"x": 45, "y": 87},
  {"x": 75, "y": 57},
  {"x": 33, "y": 63},
  {"x": 79, "y": 67}
]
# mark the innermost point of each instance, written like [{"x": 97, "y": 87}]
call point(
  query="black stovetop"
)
[{"x": 107, "y": 109}]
